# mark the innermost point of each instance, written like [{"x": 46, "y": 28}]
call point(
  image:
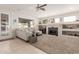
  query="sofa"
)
[{"x": 23, "y": 33}]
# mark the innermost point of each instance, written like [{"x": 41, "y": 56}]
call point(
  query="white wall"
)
[
  {"x": 6, "y": 11},
  {"x": 14, "y": 15},
  {"x": 76, "y": 13},
  {"x": 26, "y": 15}
]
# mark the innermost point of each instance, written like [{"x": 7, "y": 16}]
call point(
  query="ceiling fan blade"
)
[
  {"x": 42, "y": 9},
  {"x": 43, "y": 5}
]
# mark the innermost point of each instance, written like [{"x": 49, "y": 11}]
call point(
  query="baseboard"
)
[{"x": 6, "y": 39}]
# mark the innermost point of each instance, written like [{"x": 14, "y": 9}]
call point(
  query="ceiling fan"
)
[{"x": 41, "y": 7}]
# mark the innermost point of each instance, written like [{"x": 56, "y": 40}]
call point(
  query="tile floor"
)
[{"x": 17, "y": 46}]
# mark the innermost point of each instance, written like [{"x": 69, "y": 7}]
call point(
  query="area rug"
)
[{"x": 57, "y": 45}]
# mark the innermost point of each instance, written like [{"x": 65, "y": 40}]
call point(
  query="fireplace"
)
[{"x": 53, "y": 31}]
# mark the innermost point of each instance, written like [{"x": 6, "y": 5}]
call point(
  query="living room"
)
[{"x": 44, "y": 28}]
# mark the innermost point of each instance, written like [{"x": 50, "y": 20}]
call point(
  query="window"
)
[
  {"x": 57, "y": 20},
  {"x": 23, "y": 25},
  {"x": 70, "y": 19},
  {"x": 31, "y": 24}
]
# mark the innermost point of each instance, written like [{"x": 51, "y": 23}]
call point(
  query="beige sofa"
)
[{"x": 23, "y": 33}]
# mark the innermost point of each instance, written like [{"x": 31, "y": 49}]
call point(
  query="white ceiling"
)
[{"x": 51, "y": 9}]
